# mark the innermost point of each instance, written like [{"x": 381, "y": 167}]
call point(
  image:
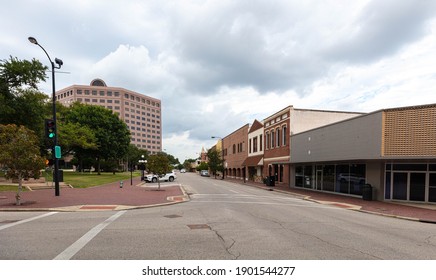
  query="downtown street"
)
[{"x": 221, "y": 221}]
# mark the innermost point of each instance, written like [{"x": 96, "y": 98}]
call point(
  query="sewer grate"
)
[
  {"x": 9, "y": 221},
  {"x": 172, "y": 216},
  {"x": 199, "y": 226}
]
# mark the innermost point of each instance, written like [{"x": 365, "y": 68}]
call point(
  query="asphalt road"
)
[{"x": 222, "y": 220}]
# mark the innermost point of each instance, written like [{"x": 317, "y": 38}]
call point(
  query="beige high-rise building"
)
[{"x": 142, "y": 113}]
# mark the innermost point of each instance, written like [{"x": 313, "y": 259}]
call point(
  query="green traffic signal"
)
[{"x": 50, "y": 128}]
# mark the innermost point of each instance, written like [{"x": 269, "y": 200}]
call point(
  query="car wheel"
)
[
  {"x": 154, "y": 180},
  {"x": 171, "y": 179}
]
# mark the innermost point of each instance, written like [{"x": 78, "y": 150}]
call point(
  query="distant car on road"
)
[
  {"x": 183, "y": 170},
  {"x": 170, "y": 177},
  {"x": 204, "y": 173}
]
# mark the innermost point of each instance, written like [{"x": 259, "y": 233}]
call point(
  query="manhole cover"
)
[
  {"x": 172, "y": 216},
  {"x": 199, "y": 226}
]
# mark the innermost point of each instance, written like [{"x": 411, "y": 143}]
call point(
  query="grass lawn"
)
[
  {"x": 7, "y": 188},
  {"x": 85, "y": 180}
]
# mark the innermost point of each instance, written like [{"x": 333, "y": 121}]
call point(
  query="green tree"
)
[
  {"x": 20, "y": 101},
  {"x": 73, "y": 137},
  {"x": 187, "y": 164},
  {"x": 134, "y": 154},
  {"x": 203, "y": 166},
  {"x": 112, "y": 134},
  {"x": 215, "y": 162},
  {"x": 158, "y": 164},
  {"x": 19, "y": 153}
]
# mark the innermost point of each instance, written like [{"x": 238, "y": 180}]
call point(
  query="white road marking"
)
[
  {"x": 27, "y": 220},
  {"x": 234, "y": 191},
  {"x": 82, "y": 241}
]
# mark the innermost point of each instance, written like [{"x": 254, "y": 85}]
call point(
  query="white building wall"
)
[
  {"x": 303, "y": 120},
  {"x": 258, "y": 133}
]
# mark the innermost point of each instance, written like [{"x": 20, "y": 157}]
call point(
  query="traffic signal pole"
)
[{"x": 55, "y": 139}]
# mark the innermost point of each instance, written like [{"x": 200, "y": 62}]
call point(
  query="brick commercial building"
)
[
  {"x": 235, "y": 153},
  {"x": 142, "y": 114},
  {"x": 278, "y": 129}
]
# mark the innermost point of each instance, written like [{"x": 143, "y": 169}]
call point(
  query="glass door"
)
[
  {"x": 409, "y": 186},
  {"x": 319, "y": 179},
  {"x": 399, "y": 190},
  {"x": 432, "y": 188},
  {"x": 417, "y": 186}
]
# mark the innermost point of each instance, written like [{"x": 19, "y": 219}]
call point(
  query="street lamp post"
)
[
  {"x": 222, "y": 153},
  {"x": 55, "y": 138},
  {"x": 142, "y": 161}
]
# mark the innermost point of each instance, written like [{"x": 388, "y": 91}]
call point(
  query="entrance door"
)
[
  {"x": 319, "y": 179},
  {"x": 409, "y": 186},
  {"x": 399, "y": 190}
]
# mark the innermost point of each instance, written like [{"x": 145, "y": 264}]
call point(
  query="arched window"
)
[
  {"x": 272, "y": 139},
  {"x": 284, "y": 131},
  {"x": 278, "y": 136}
]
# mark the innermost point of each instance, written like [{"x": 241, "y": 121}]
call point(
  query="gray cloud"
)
[
  {"x": 218, "y": 64},
  {"x": 381, "y": 29}
]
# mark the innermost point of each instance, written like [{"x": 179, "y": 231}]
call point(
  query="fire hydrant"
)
[{"x": 121, "y": 184}]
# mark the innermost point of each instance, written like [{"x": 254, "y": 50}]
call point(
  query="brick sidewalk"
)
[{"x": 104, "y": 197}]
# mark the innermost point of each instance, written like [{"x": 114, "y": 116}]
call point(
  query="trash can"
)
[
  {"x": 271, "y": 181},
  {"x": 367, "y": 192}
]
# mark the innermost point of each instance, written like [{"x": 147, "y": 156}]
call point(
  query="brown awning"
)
[{"x": 253, "y": 161}]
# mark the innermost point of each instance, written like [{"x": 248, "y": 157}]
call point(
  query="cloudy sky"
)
[{"x": 219, "y": 64}]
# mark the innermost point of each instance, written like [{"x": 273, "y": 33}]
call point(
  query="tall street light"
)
[
  {"x": 55, "y": 150},
  {"x": 222, "y": 152}
]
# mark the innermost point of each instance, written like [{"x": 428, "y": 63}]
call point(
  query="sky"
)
[{"x": 218, "y": 65}]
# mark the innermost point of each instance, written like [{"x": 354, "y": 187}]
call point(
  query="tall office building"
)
[{"x": 142, "y": 114}]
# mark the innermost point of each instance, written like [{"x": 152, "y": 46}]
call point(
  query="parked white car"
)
[{"x": 170, "y": 177}]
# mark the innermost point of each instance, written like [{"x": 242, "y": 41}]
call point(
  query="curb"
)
[
  {"x": 346, "y": 206},
  {"x": 90, "y": 207}
]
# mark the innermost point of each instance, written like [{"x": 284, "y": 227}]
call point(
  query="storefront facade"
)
[{"x": 393, "y": 150}]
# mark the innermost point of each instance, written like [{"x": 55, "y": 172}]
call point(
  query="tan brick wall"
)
[{"x": 409, "y": 131}]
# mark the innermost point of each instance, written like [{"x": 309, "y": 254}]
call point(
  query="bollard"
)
[{"x": 121, "y": 184}]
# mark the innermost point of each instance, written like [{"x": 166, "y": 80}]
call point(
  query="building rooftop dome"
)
[{"x": 98, "y": 83}]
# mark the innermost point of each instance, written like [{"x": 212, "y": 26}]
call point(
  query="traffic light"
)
[{"x": 50, "y": 129}]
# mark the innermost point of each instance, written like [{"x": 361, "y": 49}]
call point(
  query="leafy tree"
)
[
  {"x": 215, "y": 162},
  {"x": 17, "y": 73},
  {"x": 187, "y": 164},
  {"x": 112, "y": 134},
  {"x": 134, "y": 154},
  {"x": 73, "y": 137},
  {"x": 158, "y": 164},
  {"x": 203, "y": 166},
  {"x": 19, "y": 93},
  {"x": 19, "y": 153}
]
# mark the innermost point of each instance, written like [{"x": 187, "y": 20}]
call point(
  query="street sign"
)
[{"x": 57, "y": 151}]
